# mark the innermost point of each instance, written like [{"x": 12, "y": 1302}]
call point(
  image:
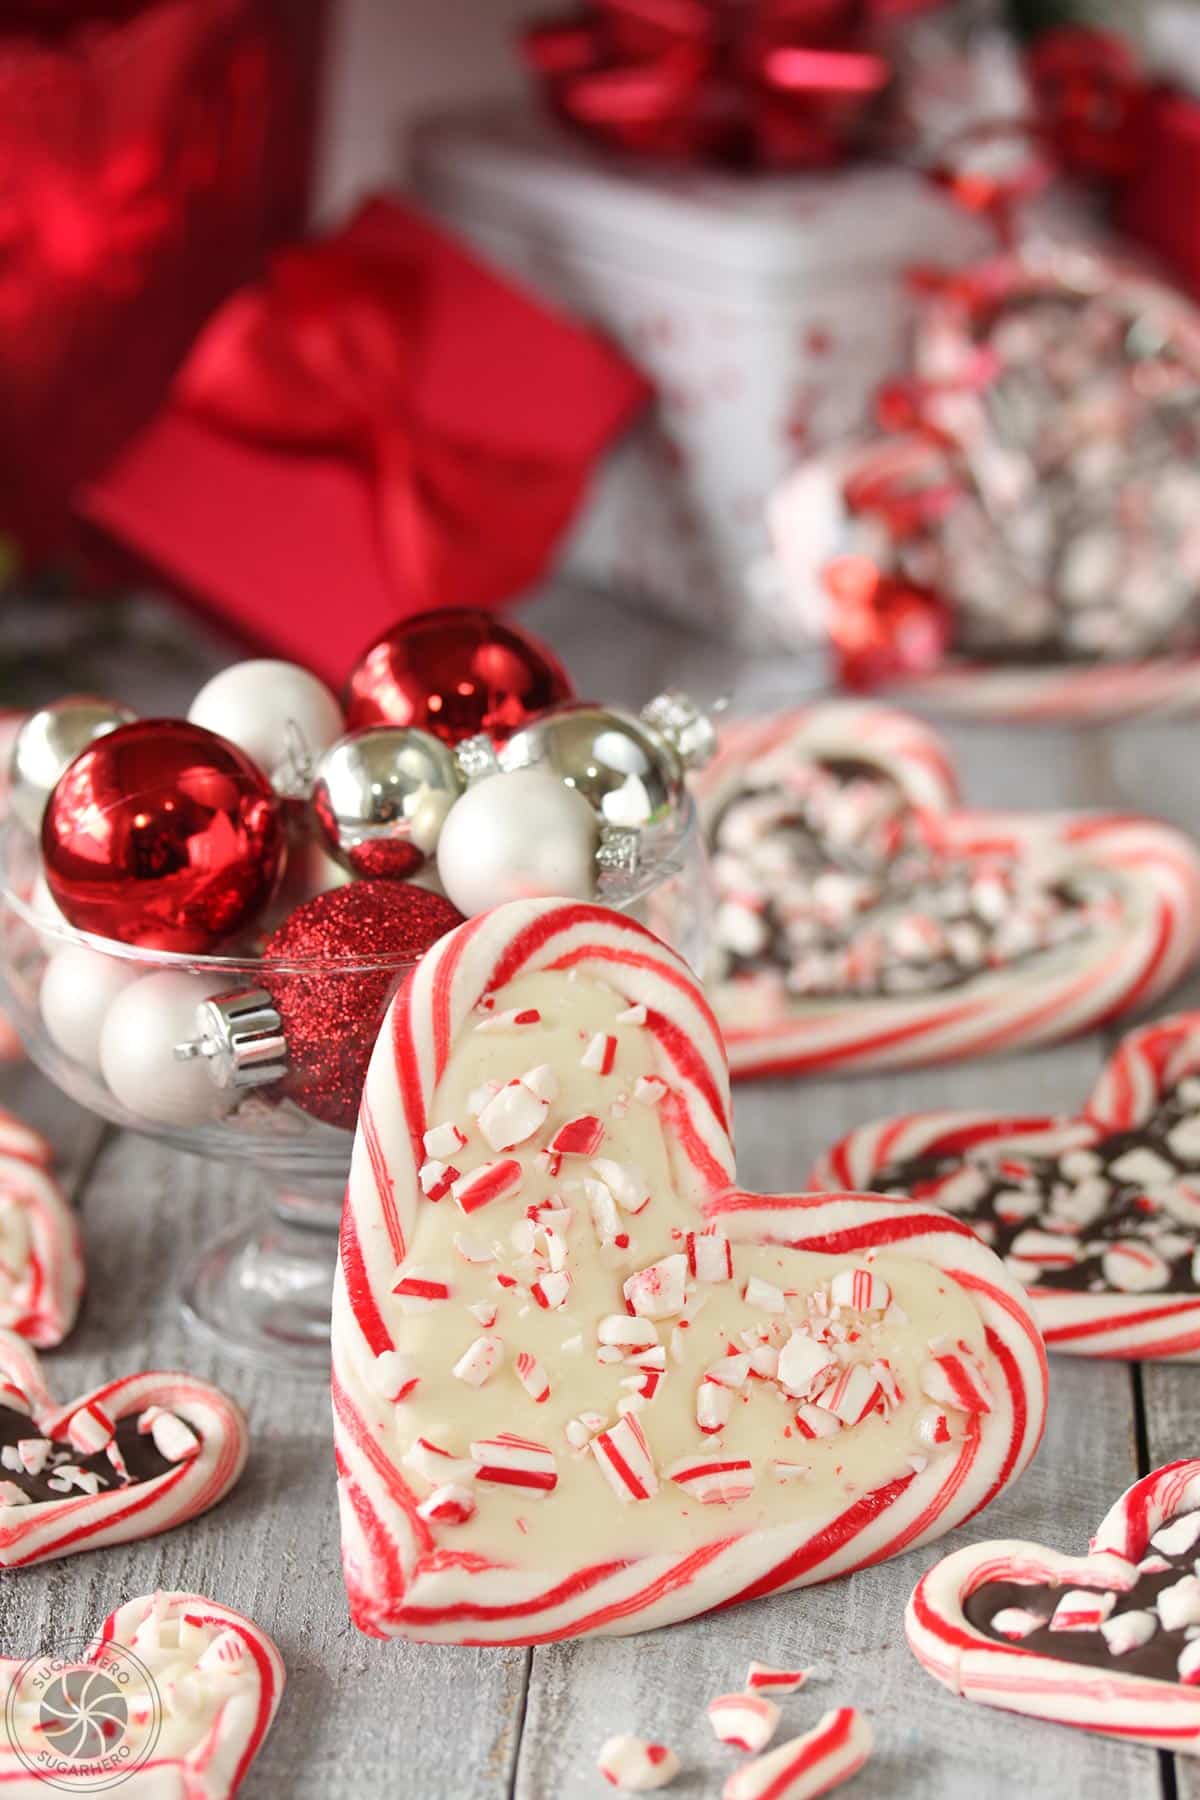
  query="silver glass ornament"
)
[
  {"x": 48, "y": 741},
  {"x": 380, "y": 796},
  {"x": 629, "y": 768}
]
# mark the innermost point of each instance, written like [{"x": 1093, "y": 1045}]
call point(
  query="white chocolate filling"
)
[{"x": 790, "y": 1473}]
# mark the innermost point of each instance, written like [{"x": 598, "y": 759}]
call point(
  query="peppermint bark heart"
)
[
  {"x": 134, "y": 1457},
  {"x": 191, "y": 1689},
  {"x": 582, "y": 1383},
  {"x": 1106, "y": 1642},
  {"x": 1098, "y": 1216},
  {"x": 41, "y": 1259},
  {"x": 864, "y": 920}
]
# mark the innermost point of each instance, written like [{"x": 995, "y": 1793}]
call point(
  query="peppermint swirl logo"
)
[{"x": 83, "y": 1716}]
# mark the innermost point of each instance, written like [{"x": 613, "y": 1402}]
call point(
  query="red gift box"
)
[
  {"x": 381, "y": 425},
  {"x": 1158, "y": 204},
  {"x": 148, "y": 154}
]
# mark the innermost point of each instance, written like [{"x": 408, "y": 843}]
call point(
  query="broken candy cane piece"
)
[
  {"x": 816, "y": 1422},
  {"x": 648, "y": 1090},
  {"x": 853, "y": 1396},
  {"x": 441, "y": 1141},
  {"x": 761, "y": 1678},
  {"x": 1179, "y": 1606},
  {"x": 513, "y": 1018},
  {"x": 709, "y": 1255},
  {"x": 861, "y": 1290},
  {"x": 510, "y": 1461},
  {"x": 12, "y": 1495},
  {"x": 714, "y": 1480},
  {"x": 542, "y": 1081},
  {"x": 956, "y": 1378},
  {"x": 471, "y": 1250},
  {"x": 173, "y": 1440},
  {"x": 490, "y": 1181},
  {"x": 1179, "y": 1536},
  {"x": 33, "y": 1454},
  {"x": 449, "y": 1505},
  {"x": 602, "y": 1210},
  {"x": 418, "y": 1289},
  {"x": 1128, "y": 1631},
  {"x": 627, "y": 1334},
  {"x": 600, "y": 1054},
  {"x": 834, "y": 1750},
  {"x": 935, "y": 1428},
  {"x": 626, "y": 1184},
  {"x": 551, "y": 1289},
  {"x": 436, "y": 1179},
  {"x": 90, "y": 1429},
  {"x": 635, "y": 1766},
  {"x": 512, "y": 1115},
  {"x": 479, "y": 1361},
  {"x": 533, "y": 1377},
  {"x": 803, "y": 1365},
  {"x": 764, "y": 1294},
  {"x": 578, "y": 1137},
  {"x": 1081, "y": 1609},
  {"x": 1187, "y": 1668},
  {"x": 624, "y": 1455},
  {"x": 439, "y": 1466},
  {"x": 747, "y": 1721},
  {"x": 659, "y": 1290},
  {"x": 1132, "y": 1268},
  {"x": 393, "y": 1375},
  {"x": 714, "y": 1404},
  {"x": 1016, "y": 1622}
]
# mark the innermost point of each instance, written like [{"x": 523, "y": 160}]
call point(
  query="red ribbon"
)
[
  {"x": 768, "y": 83},
  {"x": 320, "y": 358}
]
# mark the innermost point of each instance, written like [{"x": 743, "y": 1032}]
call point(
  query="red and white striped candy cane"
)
[
  {"x": 1103, "y": 1699},
  {"x": 1155, "y": 1326},
  {"x": 43, "y": 1274},
  {"x": 1144, "y": 943},
  {"x": 44, "y": 1529},
  {"x": 404, "y": 1575}
]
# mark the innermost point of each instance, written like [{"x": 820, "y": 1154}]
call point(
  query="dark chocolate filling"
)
[
  {"x": 142, "y": 1458},
  {"x": 1130, "y": 1212},
  {"x": 901, "y": 874},
  {"x": 1158, "y": 1657}
]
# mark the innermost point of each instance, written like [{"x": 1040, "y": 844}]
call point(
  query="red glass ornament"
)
[
  {"x": 881, "y": 627},
  {"x": 361, "y": 940},
  {"x": 455, "y": 672},
  {"x": 162, "y": 834}
]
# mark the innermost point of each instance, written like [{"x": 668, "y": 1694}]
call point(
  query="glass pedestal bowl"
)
[{"x": 262, "y": 1289}]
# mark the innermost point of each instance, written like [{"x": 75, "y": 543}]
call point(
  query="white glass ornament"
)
[
  {"x": 137, "y": 1050},
  {"x": 279, "y": 714},
  {"x": 514, "y": 836},
  {"x": 78, "y": 987}
]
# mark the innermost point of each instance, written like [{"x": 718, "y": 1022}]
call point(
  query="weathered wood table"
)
[{"x": 369, "y": 1719}]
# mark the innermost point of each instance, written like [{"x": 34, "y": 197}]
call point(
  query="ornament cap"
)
[
  {"x": 685, "y": 725},
  {"x": 618, "y": 854},
  {"x": 476, "y": 758},
  {"x": 240, "y": 1035}
]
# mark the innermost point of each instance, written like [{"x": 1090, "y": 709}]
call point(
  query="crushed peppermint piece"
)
[
  {"x": 90, "y": 1429},
  {"x": 765, "y": 1295},
  {"x": 624, "y": 1455},
  {"x": 626, "y": 1184},
  {"x": 762, "y": 1678},
  {"x": 649, "y": 1090},
  {"x": 512, "y": 1115},
  {"x": 452, "y": 1504},
  {"x": 533, "y": 1377},
  {"x": 709, "y": 1255},
  {"x": 490, "y": 1181},
  {"x": 714, "y": 1479},
  {"x": 418, "y": 1289},
  {"x": 442, "y": 1141},
  {"x": 1083, "y": 1609},
  {"x": 438, "y": 1466},
  {"x": 1016, "y": 1622},
  {"x": 1128, "y": 1631},
  {"x": 394, "y": 1376},
  {"x": 600, "y": 1054},
  {"x": 633, "y": 1015},
  {"x": 816, "y": 1422},
  {"x": 659, "y": 1290},
  {"x": 804, "y": 1365},
  {"x": 747, "y": 1721},
  {"x": 510, "y": 1461},
  {"x": 513, "y": 1019},
  {"x": 636, "y": 1767},
  {"x": 1179, "y": 1606},
  {"x": 479, "y": 1361},
  {"x": 436, "y": 1179},
  {"x": 550, "y": 1290},
  {"x": 861, "y": 1290},
  {"x": 578, "y": 1137}
]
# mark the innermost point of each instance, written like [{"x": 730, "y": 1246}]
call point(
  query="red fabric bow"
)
[
  {"x": 379, "y": 425},
  {"x": 770, "y": 83}
]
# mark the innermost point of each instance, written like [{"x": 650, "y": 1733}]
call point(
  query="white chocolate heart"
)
[{"x": 668, "y": 1450}]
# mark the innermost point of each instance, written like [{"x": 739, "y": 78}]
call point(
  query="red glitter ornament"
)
[
  {"x": 162, "y": 834},
  {"x": 361, "y": 941},
  {"x": 455, "y": 672}
]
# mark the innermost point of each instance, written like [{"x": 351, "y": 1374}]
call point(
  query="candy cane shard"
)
[
  {"x": 1023, "y": 1658},
  {"x": 834, "y": 1750},
  {"x": 635, "y": 1766},
  {"x": 747, "y": 1721},
  {"x": 41, "y": 1258},
  {"x": 761, "y": 1678},
  {"x": 1104, "y": 1236},
  {"x": 194, "y": 1727},
  {"x": 136, "y": 1456},
  {"x": 1040, "y": 986},
  {"x": 605, "y": 1372}
]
